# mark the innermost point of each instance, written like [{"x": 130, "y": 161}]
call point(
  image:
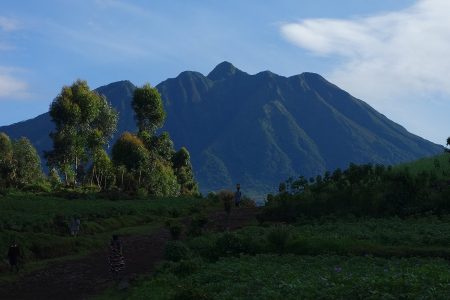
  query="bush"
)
[
  {"x": 176, "y": 251},
  {"x": 175, "y": 230},
  {"x": 197, "y": 224},
  {"x": 227, "y": 198},
  {"x": 190, "y": 292},
  {"x": 175, "y": 212},
  {"x": 248, "y": 202},
  {"x": 278, "y": 238},
  {"x": 142, "y": 193},
  {"x": 212, "y": 196},
  {"x": 187, "y": 267},
  {"x": 204, "y": 246},
  {"x": 39, "y": 187},
  {"x": 230, "y": 244}
]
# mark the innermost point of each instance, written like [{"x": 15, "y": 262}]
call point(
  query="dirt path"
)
[{"x": 84, "y": 277}]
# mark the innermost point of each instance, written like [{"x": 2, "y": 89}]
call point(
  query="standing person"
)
[
  {"x": 77, "y": 226},
  {"x": 237, "y": 195},
  {"x": 74, "y": 226},
  {"x": 13, "y": 256},
  {"x": 116, "y": 259}
]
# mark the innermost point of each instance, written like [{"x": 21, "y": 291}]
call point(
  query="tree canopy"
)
[
  {"x": 84, "y": 122},
  {"x": 148, "y": 109}
]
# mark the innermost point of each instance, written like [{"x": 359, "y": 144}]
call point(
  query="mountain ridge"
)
[{"x": 260, "y": 129}]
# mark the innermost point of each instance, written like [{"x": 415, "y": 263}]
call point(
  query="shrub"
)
[
  {"x": 190, "y": 292},
  {"x": 205, "y": 246},
  {"x": 142, "y": 193},
  {"x": 197, "y": 224},
  {"x": 175, "y": 212},
  {"x": 212, "y": 196},
  {"x": 176, "y": 251},
  {"x": 248, "y": 202},
  {"x": 278, "y": 237},
  {"x": 229, "y": 244},
  {"x": 187, "y": 267},
  {"x": 227, "y": 198},
  {"x": 39, "y": 187},
  {"x": 175, "y": 230}
]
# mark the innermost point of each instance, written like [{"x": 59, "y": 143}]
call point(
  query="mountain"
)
[{"x": 260, "y": 129}]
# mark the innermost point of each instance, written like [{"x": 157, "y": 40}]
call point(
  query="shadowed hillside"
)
[{"x": 260, "y": 129}]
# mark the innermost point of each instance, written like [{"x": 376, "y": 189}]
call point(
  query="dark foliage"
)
[{"x": 360, "y": 190}]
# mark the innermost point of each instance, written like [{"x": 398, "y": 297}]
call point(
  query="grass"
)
[
  {"x": 426, "y": 236},
  {"x": 299, "y": 277},
  {"x": 328, "y": 258},
  {"x": 439, "y": 165},
  {"x": 40, "y": 223}
]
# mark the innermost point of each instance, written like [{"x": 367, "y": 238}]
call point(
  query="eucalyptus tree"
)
[
  {"x": 84, "y": 123},
  {"x": 27, "y": 163},
  {"x": 148, "y": 109},
  {"x": 7, "y": 171}
]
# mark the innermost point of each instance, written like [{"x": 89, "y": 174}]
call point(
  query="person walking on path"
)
[
  {"x": 116, "y": 259},
  {"x": 237, "y": 195},
  {"x": 14, "y": 256},
  {"x": 75, "y": 224}
]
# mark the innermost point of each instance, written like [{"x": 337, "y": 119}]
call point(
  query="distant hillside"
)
[
  {"x": 260, "y": 129},
  {"x": 438, "y": 164}
]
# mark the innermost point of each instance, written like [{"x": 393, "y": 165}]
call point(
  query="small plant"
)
[
  {"x": 227, "y": 198},
  {"x": 175, "y": 229},
  {"x": 190, "y": 292},
  {"x": 229, "y": 244},
  {"x": 278, "y": 238},
  {"x": 176, "y": 251},
  {"x": 212, "y": 196},
  {"x": 142, "y": 193},
  {"x": 187, "y": 267},
  {"x": 248, "y": 202},
  {"x": 197, "y": 225},
  {"x": 174, "y": 212}
]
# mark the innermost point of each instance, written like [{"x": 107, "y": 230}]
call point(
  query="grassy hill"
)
[
  {"x": 438, "y": 165},
  {"x": 40, "y": 223}
]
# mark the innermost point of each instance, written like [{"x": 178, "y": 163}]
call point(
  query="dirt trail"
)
[{"x": 81, "y": 278}]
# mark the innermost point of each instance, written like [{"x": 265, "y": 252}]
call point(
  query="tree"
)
[
  {"x": 54, "y": 179},
  {"x": 183, "y": 170},
  {"x": 130, "y": 152},
  {"x": 448, "y": 144},
  {"x": 102, "y": 169},
  {"x": 148, "y": 109},
  {"x": 163, "y": 146},
  {"x": 161, "y": 180},
  {"x": 7, "y": 171},
  {"x": 27, "y": 162},
  {"x": 84, "y": 123}
]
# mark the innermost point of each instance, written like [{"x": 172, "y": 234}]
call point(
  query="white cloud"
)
[
  {"x": 11, "y": 87},
  {"x": 8, "y": 24},
  {"x": 385, "y": 57}
]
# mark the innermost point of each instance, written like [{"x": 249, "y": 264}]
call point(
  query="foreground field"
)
[
  {"x": 327, "y": 258},
  {"x": 40, "y": 224},
  {"x": 301, "y": 277}
]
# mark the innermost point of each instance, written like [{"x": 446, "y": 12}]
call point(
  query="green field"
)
[
  {"x": 40, "y": 223},
  {"x": 316, "y": 256},
  {"x": 300, "y": 277},
  {"x": 327, "y": 258},
  {"x": 439, "y": 165}
]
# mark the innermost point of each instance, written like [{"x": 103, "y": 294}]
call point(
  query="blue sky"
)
[{"x": 389, "y": 53}]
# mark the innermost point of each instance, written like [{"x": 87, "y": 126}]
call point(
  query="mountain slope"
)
[{"x": 260, "y": 129}]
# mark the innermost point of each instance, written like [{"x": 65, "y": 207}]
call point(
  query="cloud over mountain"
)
[{"x": 388, "y": 58}]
